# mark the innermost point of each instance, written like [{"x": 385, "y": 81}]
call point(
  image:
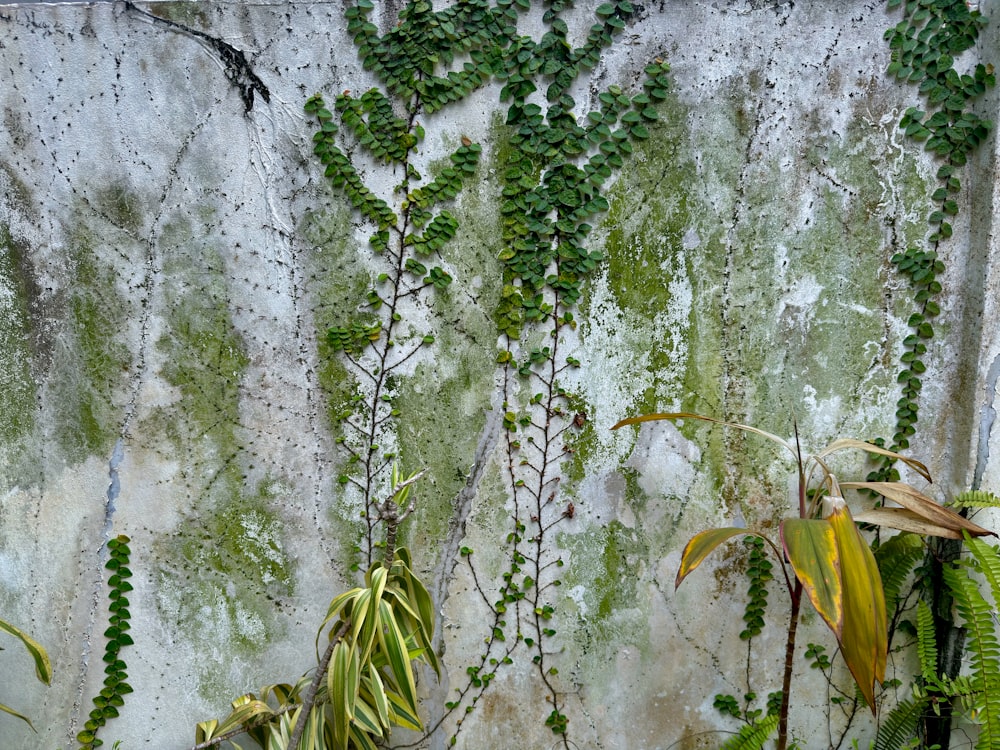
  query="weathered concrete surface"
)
[{"x": 170, "y": 262}]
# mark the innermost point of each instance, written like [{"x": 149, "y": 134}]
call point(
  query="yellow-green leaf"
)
[
  {"x": 393, "y": 645},
  {"x": 361, "y": 740},
  {"x": 687, "y": 415},
  {"x": 245, "y": 709},
  {"x": 865, "y": 641},
  {"x": 43, "y": 668},
  {"x": 342, "y": 692},
  {"x": 844, "y": 443},
  {"x": 812, "y": 550},
  {"x": 205, "y": 730},
  {"x": 403, "y": 715},
  {"x": 12, "y": 712},
  {"x": 377, "y": 691},
  {"x": 701, "y": 545},
  {"x": 366, "y": 719}
]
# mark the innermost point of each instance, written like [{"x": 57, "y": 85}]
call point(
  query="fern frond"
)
[
  {"x": 983, "y": 650},
  {"x": 926, "y": 643},
  {"x": 987, "y": 559},
  {"x": 900, "y": 726},
  {"x": 753, "y": 736},
  {"x": 895, "y": 558},
  {"x": 976, "y": 499}
]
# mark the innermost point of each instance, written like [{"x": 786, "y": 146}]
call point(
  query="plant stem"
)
[
  {"x": 309, "y": 698},
  {"x": 786, "y": 682}
]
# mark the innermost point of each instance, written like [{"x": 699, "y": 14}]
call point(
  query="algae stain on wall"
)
[
  {"x": 17, "y": 385},
  {"x": 222, "y": 568},
  {"x": 90, "y": 371},
  {"x": 443, "y": 406}
]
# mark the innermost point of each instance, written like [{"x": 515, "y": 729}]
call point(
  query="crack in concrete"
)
[
  {"x": 238, "y": 71},
  {"x": 986, "y": 421},
  {"x": 444, "y": 573},
  {"x": 118, "y": 452}
]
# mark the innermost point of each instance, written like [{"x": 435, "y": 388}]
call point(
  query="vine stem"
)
[
  {"x": 309, "y": 699},
  {"x": 786, "y": 682},
  {"x": 242, "y": 729}
]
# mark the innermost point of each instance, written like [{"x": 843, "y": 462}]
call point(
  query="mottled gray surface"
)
[{"x": 171, "y": 260}]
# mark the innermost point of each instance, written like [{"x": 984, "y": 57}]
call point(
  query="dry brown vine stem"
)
[{"x": 309, "y": 698}]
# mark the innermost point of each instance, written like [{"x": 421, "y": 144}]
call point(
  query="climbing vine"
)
[
  {"x": 552, "y": 177},
  {"x": 924, "y": 47},
  {"x": 112, "y": 695},
  {"x": 409, "y": 227}
]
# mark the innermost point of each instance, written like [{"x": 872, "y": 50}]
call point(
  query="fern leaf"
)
[
  {"x": 900, "y": 726},
  {"x": 983, "y": 650},
  {"x": 926, "y": 643},
  {"x": 896, "y": 558},
  {"x": 987, "y": 560},
  {"x": 976, "y": 499},
  {"x": 753, "y": 736}
]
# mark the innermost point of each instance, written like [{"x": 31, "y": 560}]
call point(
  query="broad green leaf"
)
[
  {"x": 43, "y": 668},
  {"x": 393, "y": 646},
  {"x": 812, "y": 550},
  {"x": 865, "y": 639},
  {"x": 923, "y": 507},
  {"x": 701, "y": 546},
  {"x": 686, "y": 415},
  {"x": 342, "y": 692}
]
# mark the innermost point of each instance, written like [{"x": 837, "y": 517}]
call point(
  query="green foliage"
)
[
  {"x": 827, "y": 558},
  {"x": 753, "y": 736},
  {"x": 982, "y": 645},
  {"x": 923, "y": 48},
  {"x": 759, "y": 573},
  {"x": 899, "y": 728},
  {"x": 976, "y": 499},
  {"x": 410, "y": 227},
  {"x": 974, "y": 584},
  {"x": 364, "y": 684},
  {"x": 112, "y": 696},
  {"x": 896, "y": 558},
  {"x": 43, "y": 668},
  {"x": 375, "y": 632}
]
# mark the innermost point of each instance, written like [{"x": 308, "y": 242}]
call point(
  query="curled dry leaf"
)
[{"x": 924, "y": 516}]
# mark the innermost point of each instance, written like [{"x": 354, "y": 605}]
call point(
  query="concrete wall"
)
[{"x": 171, "y": 261}]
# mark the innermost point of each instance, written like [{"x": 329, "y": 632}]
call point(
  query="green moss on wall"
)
[
  {"x": 336, "y": 284},
  {"x": 605, "y": 569},
  {"x": 91, "y": 368},
  {"x": 223, "y": 568},
  {"x": 443, "y": 407},
  {"x": 17, "y": 386},
  {"x": 190, "y": 14},
  {"x": 222, "y": 578}
]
